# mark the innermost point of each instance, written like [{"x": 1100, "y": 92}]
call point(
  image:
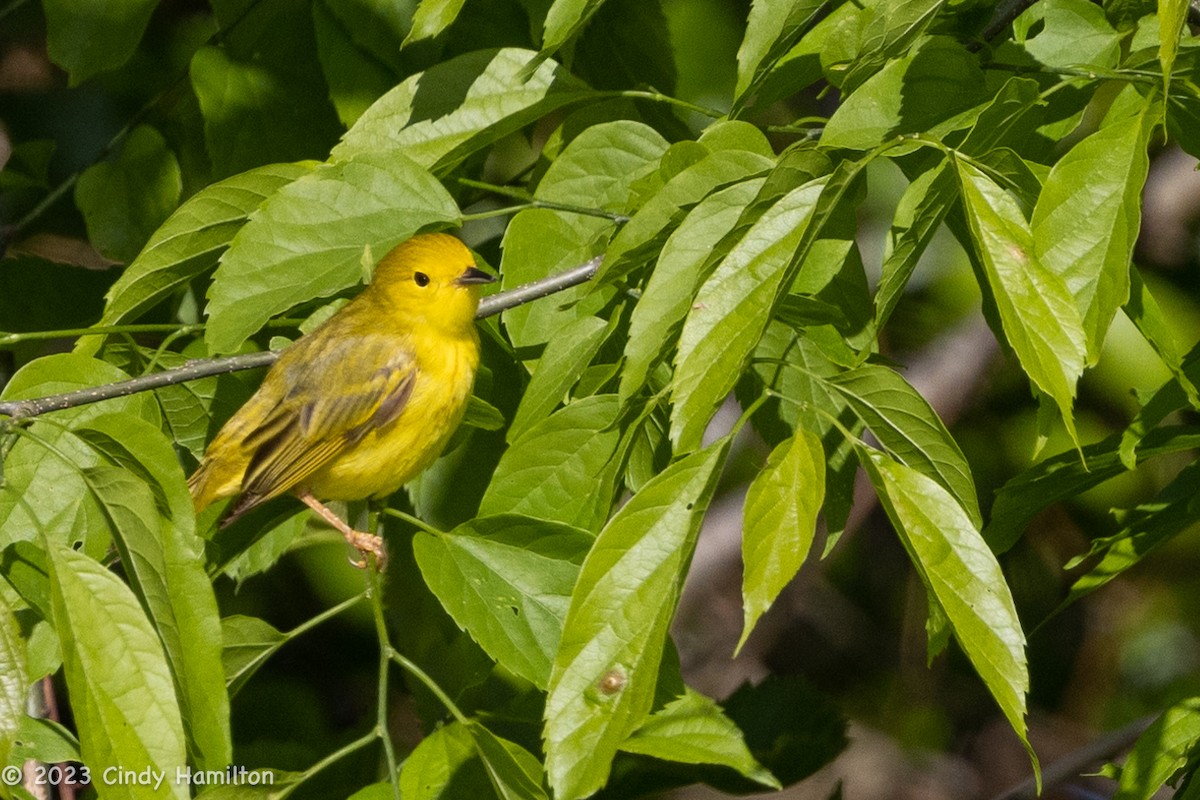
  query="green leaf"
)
[
  {"x": 1144, "y": 529},
  {"x": 507, "y": 581},
  {"x": 1068, "y": 33},
  {"x": 907, "y": 425},
  {"x": 731, "y": 312},
  {"x": 1161, "y": 751},
  {"x": 682, "y": 264},
  {"x": 604, "y": 676},
  {"x": 164, "y": 561},
  {"x": 933, "y": 83},
  {"x": 692, "y": 729},
  {"x": 779, "y": 522},
  {"x": 307, "y": 239},
  {"x": 42, "y": 489},
  {"x": 889, "y": 30},
  {"x": 1037, "y": 313},
  {"x": 561, "y": 468},
  {"x": 565, "y": 19},
  {"x": 1143, "y": 310},
  {"x": 247, "y": 644},
  {"x": 772, "y": 27},
  {"x": 440, "y": 116},
  {"x": 537, "y": 243},
  {"x": 599, "y": 167},
  {"x": 445, "y": 766},
  {"x": 358, "y": 45},
  {"x": 87, "y": 37},
  {"x": 640, "y": 239},
  {"x": 1069, "y": 474},
  {"x": 565, "y": 358},
  {"x": 13, "y": 679},
  {"x": 1087, "y": 218},
  {"x": 192, "y": 409},
  {"x": 117, "y": 677},
  {"x": 960, "y": 571},
  {"x": 192, "y": 239},
  {"x": 919, "y": 214},
  {"x": 267, "y": 107},
  {"x": 44, "y": 740},
  {"x": 483, "y": 415},
  {"x": 431, "y": 18},
  {"x": 1171, "y": 16},
  {"x": 793, "y": 365},
  {"x": 25, "y": 567},
  {"x": 515, "y": 774},
  {"x": 124, "y": 200}
]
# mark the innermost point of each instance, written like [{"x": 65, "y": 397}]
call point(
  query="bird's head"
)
[{"x": 432, "y": 276}]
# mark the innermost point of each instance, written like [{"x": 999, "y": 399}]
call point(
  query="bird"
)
[{"x": 366, "y": 401}]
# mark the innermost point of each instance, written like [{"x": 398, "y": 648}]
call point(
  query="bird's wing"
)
[{"x": 310, "y": 428}]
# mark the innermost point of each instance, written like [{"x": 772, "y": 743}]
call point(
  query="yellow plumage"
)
[{"x": 366, "y": 401}]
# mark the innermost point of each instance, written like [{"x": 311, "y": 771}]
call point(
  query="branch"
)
[{"x": 206, "y": 367}]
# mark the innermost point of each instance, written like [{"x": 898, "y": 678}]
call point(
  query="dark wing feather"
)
[{"x": 303, "y": 435}]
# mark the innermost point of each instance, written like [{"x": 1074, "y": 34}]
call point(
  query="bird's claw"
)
[{"x": 367, "y": 543}]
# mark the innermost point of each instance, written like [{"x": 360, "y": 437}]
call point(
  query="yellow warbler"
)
[{"x": 366, "y": 401}]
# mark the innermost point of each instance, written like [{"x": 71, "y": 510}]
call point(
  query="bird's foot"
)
[{"x": 366, "y": 543}]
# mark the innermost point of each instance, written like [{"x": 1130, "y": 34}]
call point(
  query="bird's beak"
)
[{"x": 473, "y": 276}]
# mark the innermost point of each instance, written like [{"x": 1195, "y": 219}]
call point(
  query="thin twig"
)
[
  {"x": 1106, "y": 748},
  {"x": 203, "y": 368}
]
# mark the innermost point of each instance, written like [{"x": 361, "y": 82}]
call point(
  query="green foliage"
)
[{"x": 285, "y": 145}]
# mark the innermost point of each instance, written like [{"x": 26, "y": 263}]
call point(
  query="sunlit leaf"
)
[
  {"x": 1038, "y": 315},
  {"x": 960, "y": 571},
  {"x": 431, "y": 18},
  {"x": 118, "y": 681},
  {"x": 307, "y": 239},
  {"x": 731, "y": 311},
  {"x": 192, "y": 239},
  {"x": 507, "y": 581},
  {"x": 907, "y": 425},
  {"x": 439, "y": 117},
  {"x": 692, "y": 729},
  {"x": 1087, "y": 218},
  {"x": 658, "y": 316},
  {"x": 779, "y": 522},
  {"x": 1161, "y": 751},
  {"x": 603, "y": 681},
  {"x": 13, "y": 679}
]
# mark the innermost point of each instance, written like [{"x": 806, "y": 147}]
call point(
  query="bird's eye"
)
[{"x": 421, "y": 279}]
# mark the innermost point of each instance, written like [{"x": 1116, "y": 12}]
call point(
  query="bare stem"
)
[{"x": 206, "y": 367}]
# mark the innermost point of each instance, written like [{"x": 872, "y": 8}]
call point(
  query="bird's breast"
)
[{"x": 388, "y": 457}]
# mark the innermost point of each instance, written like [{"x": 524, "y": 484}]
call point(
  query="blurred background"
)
[{"x": 851, "y": 627}]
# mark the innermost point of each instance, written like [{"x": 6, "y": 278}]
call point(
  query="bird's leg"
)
[{"x": 362, "y": 542}]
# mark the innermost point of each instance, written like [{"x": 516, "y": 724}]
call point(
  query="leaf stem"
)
[
  {"x": 532, "y": 202},
  {"x": 409, "y": 518},
  {"x": 659, "y": 97},
  {"x": 329, "y": 613},
  {"x": 420, "y": 674},
  {"x": 375, "y": 592},
  {"x": 328, "y": 760}
]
